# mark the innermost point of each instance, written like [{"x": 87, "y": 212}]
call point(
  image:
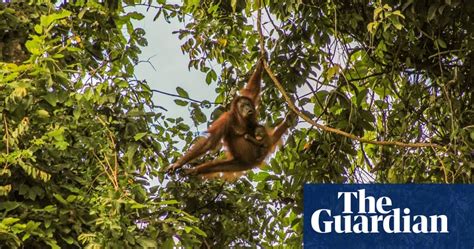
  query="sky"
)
[{"x": 171, "y": 65}]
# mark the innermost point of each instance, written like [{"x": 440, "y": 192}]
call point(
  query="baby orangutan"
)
[{"x": 263, "y": 142}]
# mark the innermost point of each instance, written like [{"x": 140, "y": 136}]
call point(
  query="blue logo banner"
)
[{"x": 367, "y": 216}]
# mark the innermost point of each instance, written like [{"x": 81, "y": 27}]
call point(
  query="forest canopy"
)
[{"x": 383, "y": 90}]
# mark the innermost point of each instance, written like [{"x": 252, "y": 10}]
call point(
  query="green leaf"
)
[
  {"x": 372, "y": 27},
  {"x": 377, "y": 12},
  {"x": 398, "y": 13},
  {"x": 136, "y": 15},
  {"x": 68, "y": 239},
  {"x": 51, "y": 98},
  {"x": 208, "y": 78},
  {"x": 169, "y": 244},
  {"x": 56, "y": 133},
  {"x": 361, "y": 96},
  {"x": 261, "y": 176},
  {"x": 138, "y": 206},
  {"x": 181, "y": 92},
  {"x": 50, "y": 209},
  {"x": 181, "y": 102},
  {"x": 147, "y": 243},
  {"x": 49, "y": 19},
  {"x": 396, "y": 23},
  {"x": 331, "y": 72},
  {"x": 199, "y": 231},
  {"x": 71, "y": 198},
  {"x": 9, "y": 221},
  {"x": 42, "y": 113},
  {"x": 38, "y": 29},
  {"x": 60, "y": 199},
  {"x": 441, "y": 43},
  {"x": 53, "y": 244},
  {"x": 211, "y": 76},
  {"x": 81, "y": 13},
  {"x": 33, "y": 47},
  {"x": 61, "y": 145},
  {"x": 168, "y": 202},
  {"x": 233, "y": 3},
  {"x": 432, "y": 12},
  {"x": 139, "y": 136},
  {"x": 9, "y": 205},
  {"x": 197, "y": 115}
]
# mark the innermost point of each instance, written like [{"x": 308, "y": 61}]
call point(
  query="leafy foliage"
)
[
  {"x": 78, "y": 136},
  {"x": 81, "y": 134}
]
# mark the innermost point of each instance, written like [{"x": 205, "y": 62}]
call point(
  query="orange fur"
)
[{"x": 230, "y": 128}]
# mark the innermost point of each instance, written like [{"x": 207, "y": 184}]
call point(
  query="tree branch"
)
[
  {"x": 177, "y": 96},
  {"x": 324, "y": 127}
]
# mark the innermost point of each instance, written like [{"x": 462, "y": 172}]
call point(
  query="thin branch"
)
[
  {"x": 7, "y": 138},
  {"x": 114, "y": 169},
  {"x": 145, "y": 5},
  {"x": 147, "y": 61},
  {"x": 366, "y": 77},
  {"x": 445, "y": 170},
  {"x": 259, "y": 28},
  {"x": 186, "y": 98},
  {"x": 366, "y": 158},
  {"x": 106, "y": 171},
  {"x": 271, "y": 20},
  {"x": 445, "y": 52}
]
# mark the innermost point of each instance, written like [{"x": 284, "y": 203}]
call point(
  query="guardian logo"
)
[
  {"x": 388, "y": 216},
  {"x": 377, "y": 213}
]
